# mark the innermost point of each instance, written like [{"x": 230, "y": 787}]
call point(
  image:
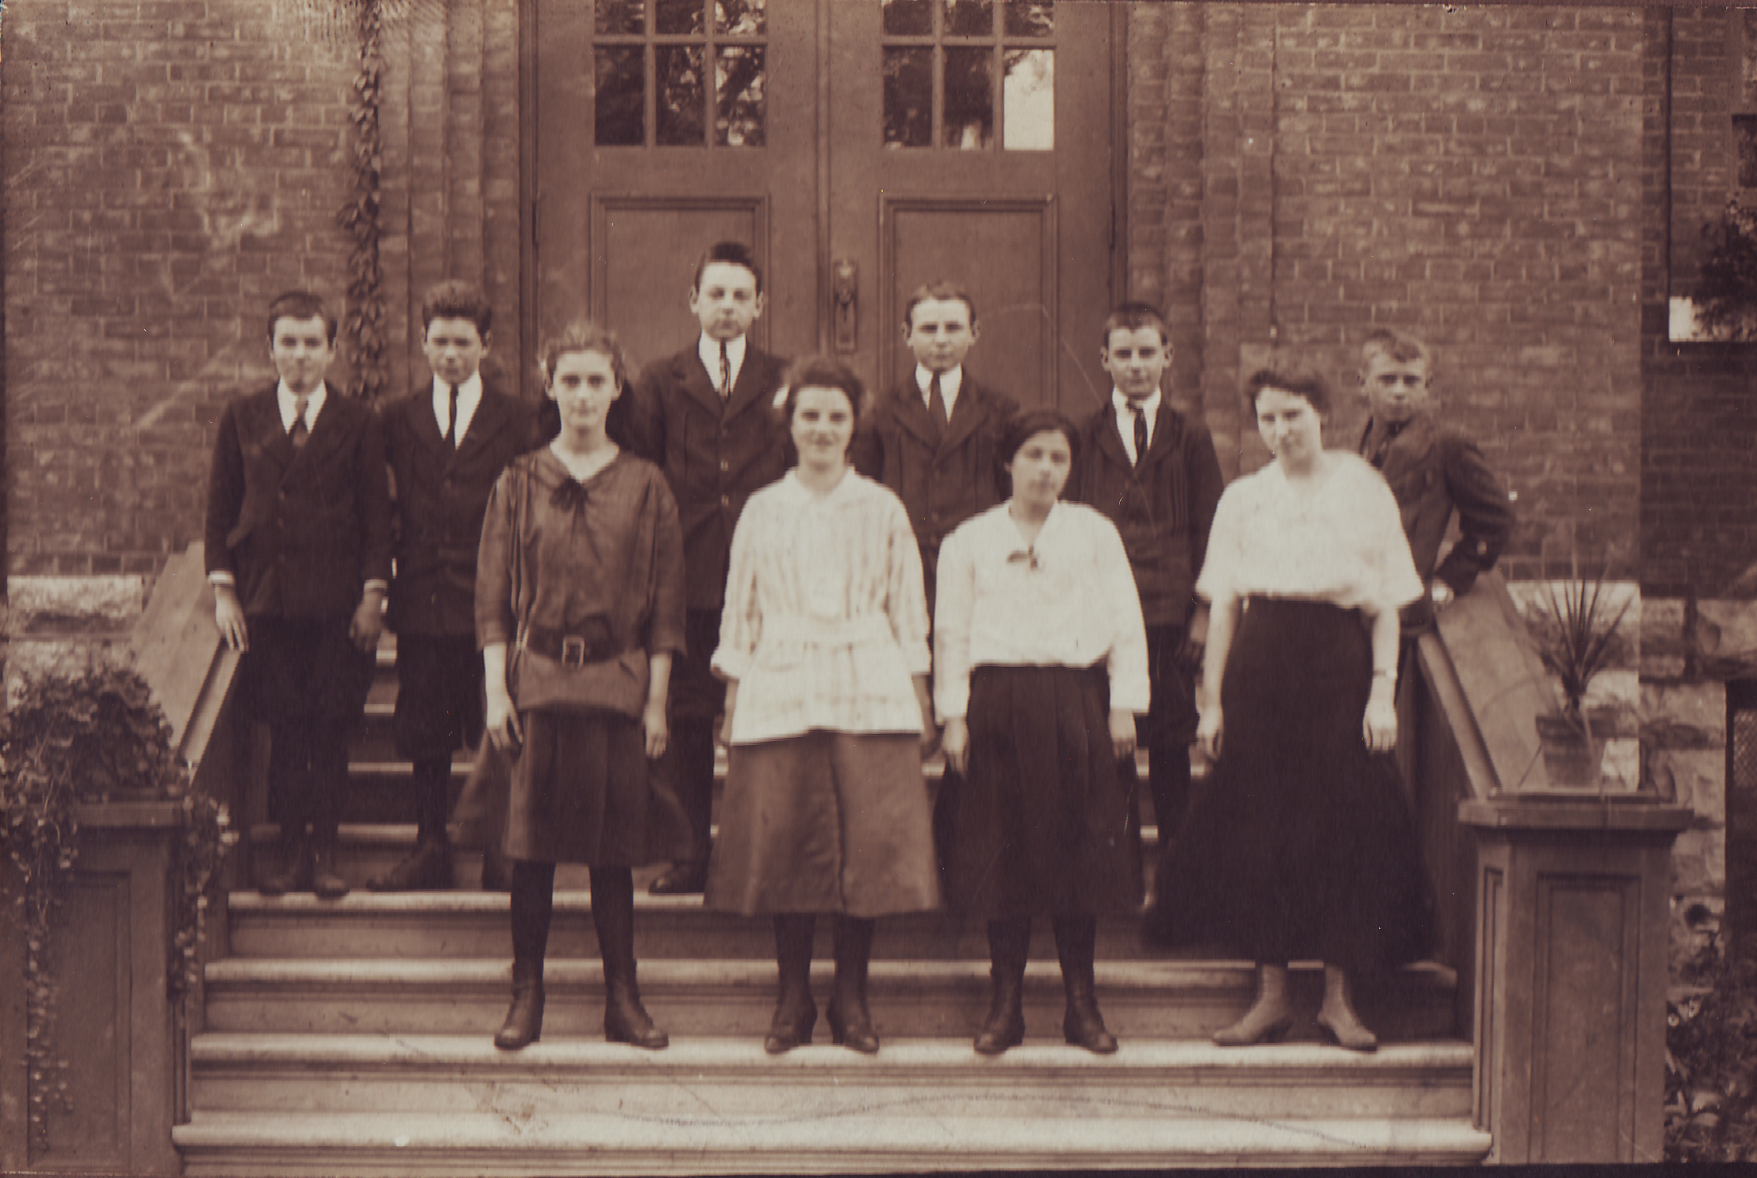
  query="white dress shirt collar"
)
[
  {"x": 951, "y": 380},
  {"x": 709, "y": 351},
  {"x": 469, "y": 397},
  {"x": 1125, "y": 418},
  {"x": 289, "y": 405}
]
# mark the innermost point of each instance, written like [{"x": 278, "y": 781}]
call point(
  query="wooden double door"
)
[{"x": 862, "y": 148}]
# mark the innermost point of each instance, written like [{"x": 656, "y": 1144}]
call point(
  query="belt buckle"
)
[{"x": 573, "y": 651}]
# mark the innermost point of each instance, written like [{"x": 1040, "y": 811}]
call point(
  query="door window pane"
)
[
  {"x": 681, "y": 16},
  {"x": 680, "y": 95},
  {"x": 970, "y": 18},
  {"x": 908, "y": 97},
  {"x": 739, "y": 18},
  {"x": 908, "y": 18},
  {"x": 1030, "y": 18},
  {"x": 739, "y": 89},
  {"x": 620, "y": 87},
  {"x": 1028, "y": 100},
  {"x": 969, "y": 121},
  {"x": 621, "y": 16}
]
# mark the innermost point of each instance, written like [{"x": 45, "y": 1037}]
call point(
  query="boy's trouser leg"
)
[
  {"x": 1162, "y": 730},
  {"x": 328, "y": 744},
  {"x": 696, "y": 700},
  {"x": 429, "y": 865}
]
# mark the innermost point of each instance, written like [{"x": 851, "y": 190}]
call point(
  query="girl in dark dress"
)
[
  {"x": 1300, "y": 843},
  {"x": 1040, "y": 669},
  {"x": 579, "y": 609}
]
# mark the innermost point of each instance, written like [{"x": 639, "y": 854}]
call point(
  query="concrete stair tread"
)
[{"x": 897, "y": 1134}]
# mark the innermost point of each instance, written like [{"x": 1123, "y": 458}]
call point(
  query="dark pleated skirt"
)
[
  {"x": 1046, "y": 820},
  {"x": 583, "y": 791},
  {"x": 1299, "y": 844},
  {"x": 825, "y": 822}
]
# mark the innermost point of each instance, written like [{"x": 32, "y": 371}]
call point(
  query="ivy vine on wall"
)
[{"x": 363, "y": 326}]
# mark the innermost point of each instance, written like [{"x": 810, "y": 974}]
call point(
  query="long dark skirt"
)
[
  {"x": 1047, "y": 819},
  {"x": 825, "y": 822},
  {"x": 583, "y": 791},
  {"x": 1299, "y": 844}
]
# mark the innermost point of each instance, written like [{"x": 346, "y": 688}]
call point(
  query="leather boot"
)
[
  {"x": 1269, "y": 1016},
  {"x": 295, "y": 876},
  {"x": 795, "y": 1012},
  {"x": 1076, "y": 943},
  {"x": 427, "y": 868},
  {"x": 1336, "y": 1017},
  {"x": 850, "y": 1020},
  {"x": 524, "y": 1021},
  {"x": 625, "y": 1019},
  {"x": 324, "y": 880},
  {"x": 1009, "y": 944}
]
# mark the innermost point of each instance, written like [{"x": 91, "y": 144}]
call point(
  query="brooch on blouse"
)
[{"x": 1026, "y": 557}]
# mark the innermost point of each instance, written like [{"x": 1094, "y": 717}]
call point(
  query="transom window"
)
[
  {"x": 679, "y": 73},
  {"x": 966, "y": 74}
]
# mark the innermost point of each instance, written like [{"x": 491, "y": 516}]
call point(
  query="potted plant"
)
[{"x": 1577, "y": 642}]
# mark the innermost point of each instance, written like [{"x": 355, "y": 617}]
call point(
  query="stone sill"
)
[
  {"x": 128, "y": 815},
  {"x": 1576, "y": 812}
]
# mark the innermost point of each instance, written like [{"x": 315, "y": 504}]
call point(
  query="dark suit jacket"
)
[
  {"x": 714, "y": 456},
  {"x": 1163, "y": 508},
  {"x": 1433, "y": 471},
  {"x": 940, "y": 486},
  {"x": 441, "y": 496},
  {"x": 301, "y": 531}
]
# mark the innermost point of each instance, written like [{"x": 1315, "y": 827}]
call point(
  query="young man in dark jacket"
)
[{"x": 1155, "y": 474}]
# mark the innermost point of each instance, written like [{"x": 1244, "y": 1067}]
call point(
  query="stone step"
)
[
  {"x": 793, "y": 1141},
  {"x": 735, "y": 1079},
  {"x": 735, "y": 998},
  {"x": 456, "y": 924}
]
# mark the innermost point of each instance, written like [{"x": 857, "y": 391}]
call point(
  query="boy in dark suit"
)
[
  {"x": 1434, "y": 471},
  {"x": 931, "y": 438},
  {"x": 706, "y": 417},
  {"x": 298, "y": 551},
  {"x": 1155, "y": 474},
  {"x": 446, "y": 443}
]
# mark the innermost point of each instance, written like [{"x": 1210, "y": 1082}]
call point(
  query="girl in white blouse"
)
[
  {"x": 1041, "y": 669},
  {"x": 1300, "y": 843},
  {"x": 823, "y": 646}
]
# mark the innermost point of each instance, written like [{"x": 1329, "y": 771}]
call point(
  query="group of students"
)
[{"x": 845, "y": 586}]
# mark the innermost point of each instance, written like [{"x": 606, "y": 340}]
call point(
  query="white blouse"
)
[
  {"x": 825, "y": 620},
  {"x": 1066, "y": 600},
  {"x": 1340, "y": 541}
]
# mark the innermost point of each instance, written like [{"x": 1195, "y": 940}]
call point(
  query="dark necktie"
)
[
  {"x": 936, "y": 407},
  {"x": 1140, "y": 433},
  {"x": 451, "y": 423},
  {"x": 725, "y": 389},
  {"x": 1379, "y": 441},
  {"x": 300, "y": 431}
]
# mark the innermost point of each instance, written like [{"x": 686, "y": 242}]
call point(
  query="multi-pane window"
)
[
  {"x": 968, "y": 74},
  {"x": 679, "y": 73}
]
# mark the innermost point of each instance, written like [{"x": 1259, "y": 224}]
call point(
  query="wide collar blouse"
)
[
  {"x": 1340, "y": 541},
  {"x": 825, "y": 622},
  {"x": 1065, "y": 600}
]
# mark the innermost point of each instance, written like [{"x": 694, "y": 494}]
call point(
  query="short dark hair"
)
[
  {"x": 1398, "y": 345},
  {"x": 457, "y": 299},
  {"x": 300, "y": 305},
  {"x": 943, "y": 292},
  {"x": 1309, "y": 385},
  {"x": 733, "y": 253},
  {"x": 1132, "y": 316},
  {"x": 1021, "y": 428},
  {"x": 824, "y": 372}
]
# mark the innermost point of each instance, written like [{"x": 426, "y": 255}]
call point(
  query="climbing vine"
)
[
  {"x": 93, "y": 738},
  {"x": 364, "y": 324}
]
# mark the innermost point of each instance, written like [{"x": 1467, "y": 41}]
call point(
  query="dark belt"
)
[{"x": 574, "y": 649}]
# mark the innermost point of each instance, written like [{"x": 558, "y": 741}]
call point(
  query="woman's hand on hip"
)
[
  {"x": 1122, "y": 732},
  {"x": 654, "y": 730},
  {"x": 955, "y": 743},
  {"x": 1208, "y": 732},
  {"x": 502, "y": 720},
  {"x": 1380, "y": 725}
]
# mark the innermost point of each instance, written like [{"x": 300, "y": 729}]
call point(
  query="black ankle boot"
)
[
  {"x": 1076, "y": 944},
  {"x": 1009, "y": 943},
  {"x": 295, "y": 876},
  {"x": 524, "y": 1021},
  {"x": 625, "y": 1019},
  {"x": 795, "y": 1012},
  {"x": 850, "y": 1020}
]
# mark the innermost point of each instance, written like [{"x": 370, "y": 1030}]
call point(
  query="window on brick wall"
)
[
  {"x": 969, "y": 74},
  {"x": 679, "y": 73}
]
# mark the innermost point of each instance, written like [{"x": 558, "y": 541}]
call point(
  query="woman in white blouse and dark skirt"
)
[
  {"x": 1040, "y": 670},
  {"x": 823, "y": 646},
  {"x": 1300, "y": 844}
]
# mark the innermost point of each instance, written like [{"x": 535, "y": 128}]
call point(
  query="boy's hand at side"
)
[
  {"x": 955, "y": 743},
  {"x": 229, "y": 617},
  {"x": 1195, "y": 643},
  {"x": 368, "y": 621}
]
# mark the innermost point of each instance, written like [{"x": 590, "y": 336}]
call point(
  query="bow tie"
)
[{"x": 569, "y": 495}]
